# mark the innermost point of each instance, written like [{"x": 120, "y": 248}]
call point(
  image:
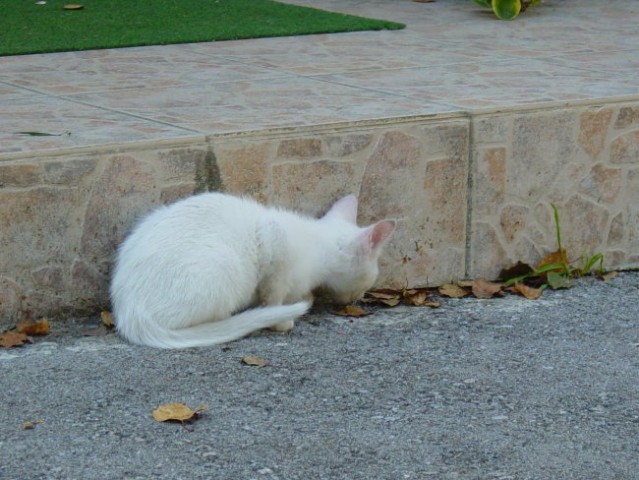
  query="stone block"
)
[
  {"x": 70, "y": 171},
  {"x": 625, "y": 148},
  {"x": 593, "y": 130},
  {"x": 20, "y": 174},
  {"x": 627, "y": 117},
  {"x": 179, "y": 164},
  {"x": 602, "y": 184},
  {"x": 312, "y": 186},
  {"x": 299, "y": 148},
  {"x": 124, "y": 191},
  {"x": 244, "y": 167},
  {"x": 346, "y": 145}
]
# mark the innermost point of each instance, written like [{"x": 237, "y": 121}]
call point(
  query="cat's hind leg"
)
[
  {"x": 288, "y": 325},
  {"x": 284, "y": 326}
]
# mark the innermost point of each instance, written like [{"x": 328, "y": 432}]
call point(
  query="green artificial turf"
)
[{"x": 29, "y": 28}]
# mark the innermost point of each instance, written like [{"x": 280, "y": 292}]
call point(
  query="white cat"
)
[{"x": 188, "y": 272}]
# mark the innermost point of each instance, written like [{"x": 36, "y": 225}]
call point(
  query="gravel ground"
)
[{"x": 477, "y": 389}]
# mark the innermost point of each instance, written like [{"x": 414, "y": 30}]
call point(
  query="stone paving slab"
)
[{"x": 452, "y": 57}]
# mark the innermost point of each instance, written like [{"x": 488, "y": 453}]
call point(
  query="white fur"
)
[{"x": 186, "y": 270}]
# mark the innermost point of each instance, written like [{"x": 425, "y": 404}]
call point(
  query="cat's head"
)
[{"x": 358, "y": 251}]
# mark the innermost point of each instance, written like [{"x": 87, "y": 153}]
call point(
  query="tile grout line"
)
[
  {"x": 451, "y": 108},
  {"x": 70, "y": 99}
]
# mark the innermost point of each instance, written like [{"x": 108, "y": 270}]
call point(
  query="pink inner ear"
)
[
  {"x": 375, "y": 236},
  {"x": 381, "y": 232},
  {"x": 345, "y": 208}
]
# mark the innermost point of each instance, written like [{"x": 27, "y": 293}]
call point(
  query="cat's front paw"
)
[{"x": 284, "y": 326}]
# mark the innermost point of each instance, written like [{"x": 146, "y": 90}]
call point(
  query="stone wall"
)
[
  {"x": 471, "y": 195},
  {"x": 583, "y": 160}
]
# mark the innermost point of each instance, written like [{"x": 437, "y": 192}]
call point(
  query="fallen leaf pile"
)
[
  {"x": 419, "y": 297},
  {"x": 24, "y": 331},
  {"x": 553, "y": 271},
  {"x": 426, "y": 297}
]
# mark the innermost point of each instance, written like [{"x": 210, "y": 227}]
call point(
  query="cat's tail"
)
[{"x": 213, "y": 333}]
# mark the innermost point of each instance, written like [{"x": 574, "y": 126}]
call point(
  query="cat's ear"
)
[
  {"x": 375, "y": 236},
  {"x": 345, "y": 208}
]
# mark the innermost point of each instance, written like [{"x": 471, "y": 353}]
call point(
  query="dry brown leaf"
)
[
  {"x": 13, "y": 339},
  {"x": 254, "y": 361},
  {"x": 382, "y": 295},
  {"x": 29, "y": 327},
  {"x": 414, "y": 291},
  {"x": 452, "y": 291},
  {"x": 606, "y": 277},
  {"x": 391, "y": 302},
  {"x": 107, "y": 319},
  {"x": 353, "y": 311},
  {"x": 419, "y": 297},
  {"x": 555, "y": 257},
  {"x": 482, "y": 288},
  {"x": 525, "y": 291},
  {"x": 390, "y": 298},
  {"x": 177, "y": 412},
  {"x": 31, "y": 425},
  {"x": 466, "y": 283}
]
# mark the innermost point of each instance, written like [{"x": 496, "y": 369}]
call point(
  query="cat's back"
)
[{"x": 195, "y": 221}]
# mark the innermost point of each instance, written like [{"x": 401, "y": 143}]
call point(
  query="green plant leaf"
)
[
  {"x": 506, "y": 9},
  {"x": 483, "y": 3},
  {"x": 556, "y": 280},
  {"x": 515, "y": 274},
  {"x": 557, "y": 226},
  {"x": 588, "y": 263},
  {"x": 513, "y": 281},
  {"x": 560, "y": 268}
]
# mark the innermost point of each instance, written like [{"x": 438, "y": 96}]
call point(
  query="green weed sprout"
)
[{"x": 556, "y": 269}]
